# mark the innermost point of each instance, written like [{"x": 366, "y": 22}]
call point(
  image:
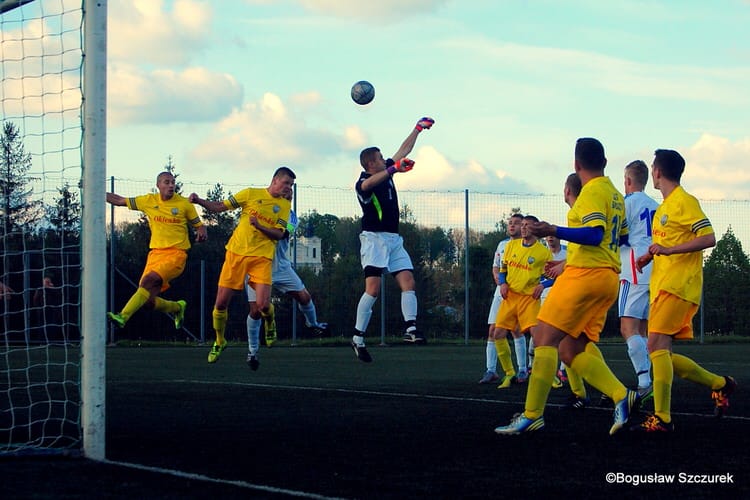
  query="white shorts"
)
[
  {"x": 633, "y": 300},
  {"x": 285, "y": 279},
  {"x": 385, "y": 251},
  {"x": 497, "y": 299}
]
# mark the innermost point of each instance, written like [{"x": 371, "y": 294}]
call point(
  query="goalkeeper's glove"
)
[
  {"x": 402, "y": 165},
  {"x": 424, "y": 122}
]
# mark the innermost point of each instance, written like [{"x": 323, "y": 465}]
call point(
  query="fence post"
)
[{"x": 466, "y": 267}]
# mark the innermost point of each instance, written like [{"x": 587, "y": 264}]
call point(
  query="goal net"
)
[{"x": 42, "y": 158}]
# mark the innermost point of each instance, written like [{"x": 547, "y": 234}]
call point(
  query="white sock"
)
[
  {"x": 491, "y": 354},
  {"x": 531, "y": 350},
  {"x": 638, "y": 352},
  {"x": 364, "y": 311},
  {"x": 409, "y": 305},
  {"x": 359, "y": 340},
  {"x": 311, "y": 318},
  {"x": 520, "y": 345},
  {"x": 253, "y": 335}
]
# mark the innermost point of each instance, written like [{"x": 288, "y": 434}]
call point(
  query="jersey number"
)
[{"x": 648, "y": 216}]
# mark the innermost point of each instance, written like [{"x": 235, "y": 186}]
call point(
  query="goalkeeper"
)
[
  {"x": 168, "y": 215},
  {"x": 382, "y": 248}
]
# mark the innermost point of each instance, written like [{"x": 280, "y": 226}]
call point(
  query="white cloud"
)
[
  {"x": 193, "y": 94},
  {"x": 394, "y": 10},
  {"x": 717, "y": 168},
  {"x": 620, "y": 76},
  {"x": 145, "y": 32}
]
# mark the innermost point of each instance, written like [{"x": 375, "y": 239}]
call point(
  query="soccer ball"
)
[{"x": 363, "y": 92}]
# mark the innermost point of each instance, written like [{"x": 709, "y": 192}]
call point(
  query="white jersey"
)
[
  {"x": 497, "y": 261},
  {"x": 560, "y": 255},
  {"x": 639, "y": 213}
]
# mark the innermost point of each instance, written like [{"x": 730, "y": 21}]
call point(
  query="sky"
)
[
  {"x": 233, "y": 89},
  {"x": 242, "y": 87}
]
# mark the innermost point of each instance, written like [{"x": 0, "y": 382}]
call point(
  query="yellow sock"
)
[
  {"x": 540, "y": 382},
  {"x": 220, "y": 323},
  {"x": 268, "y": 316},
  {"x": 576, "y": 382},
  {"x": 167, "y": 306},
  {"x": 503, "y": 355},
  {"x": 662, "y": 365},
  {"x": 139, "y": 298},
  {"x": 596, "y": 372},
  {"x": 688, "y": 369},
  {"x": 593, "y": 349}
]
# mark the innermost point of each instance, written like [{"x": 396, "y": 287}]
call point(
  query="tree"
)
[
  {"x": 726, "y": 286},
  {"x": 170, "y": 167},
  {"x": 65, "y": 214},
  {"x": 19, "y": 210}
]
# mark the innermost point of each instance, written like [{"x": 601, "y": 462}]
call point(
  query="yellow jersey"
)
[
  {"x": 600, "y": 204},
  {"x": 270, "y": 212},
  {"x": 167, "y": 219},
  {"x": 677, "y": 220},
  {"x": 524, "y": 265}
]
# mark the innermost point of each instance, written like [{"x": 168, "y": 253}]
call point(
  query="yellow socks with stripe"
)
[
  {"x": 503, "y": 354},
  {"x": 139, "y": 298},
  {"x": 596, "y": 372},
  {"x": 540, "y": 382},
  {"x": 688, "y": 369},
  {"x": 662, "y": 365},
  {"x": 167, "y": 306},
  {"x": 574, "y": 379},
  {"x": 219, "y": 323}
]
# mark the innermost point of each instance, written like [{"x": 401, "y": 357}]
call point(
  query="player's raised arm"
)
[
  {"x": 211, "y": 206},
  {"x": 424, "y": 123},
  {"x": 115, "y": 199}
]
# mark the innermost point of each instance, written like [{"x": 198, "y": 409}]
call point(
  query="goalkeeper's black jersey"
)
[{"x": 379, "y": 206}]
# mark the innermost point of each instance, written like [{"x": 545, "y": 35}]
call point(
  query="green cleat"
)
[
  {"x": 216, "y": 351},
  {"x": 269, "y": 325},
  {"x": 116, "y": 319},
  {"x": 179, "y": 316},
  {"x": 506, "y": 382}
]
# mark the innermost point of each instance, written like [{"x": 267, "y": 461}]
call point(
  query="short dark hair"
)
[
  {"x": 284, "y": 171},
  {"x": 532, "y": 218},
  {"x": 590, "y": 154},
  {"x": 516, "y": 215},
  {"x": 368, "y": 154},
  {"x": 163, "y": 174},
  {"x": 670, "y": 163},
  {"x": 638, "y": 171},
  {"x": 573, "y": 182}
]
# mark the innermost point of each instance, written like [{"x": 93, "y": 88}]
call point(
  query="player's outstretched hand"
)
[
  {"x": 404, "y": 165},
  {"x": 424, "y": 122},
  {"x": 193, "y": 197}
]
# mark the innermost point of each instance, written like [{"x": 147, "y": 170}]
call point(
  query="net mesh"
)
[{"x": 40, "y": 172}]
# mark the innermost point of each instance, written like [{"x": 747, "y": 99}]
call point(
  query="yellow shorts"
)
[
  {"x": 517, "y": 309},
  {"x": 579, "y": 300},
  {"x": 168, "y": 263},
  {"x": 671, "y": 315},
  {"x": 237, "y": 267}
]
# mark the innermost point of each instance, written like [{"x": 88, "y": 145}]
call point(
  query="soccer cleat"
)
[
  {"x": 522, "y": 377},
  {"x": 116, "y": 319},
  {"x": 623, "y": 411},
  {"x": 507, "y": 380},
  {"x": 253, "y": 362},
  {"x": 361, "y": 352},
  {"x": 521, "y": 424},
  {"x": 319, "y": 330},
  {"x": 645, "y": 393},
  {"x": 576, "y": 402},
  {"x": 269, "y": 326},
  {"x": 653, "y": 423},
  {"x": 721, "y": 396},
  {"x": 216, "y": 351},
  {"x": 489, "y": 377},
  {"x": 179, "y": 316},
  {"x": 557, "y": 383},
  {"x": 414, "y": 337}
]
